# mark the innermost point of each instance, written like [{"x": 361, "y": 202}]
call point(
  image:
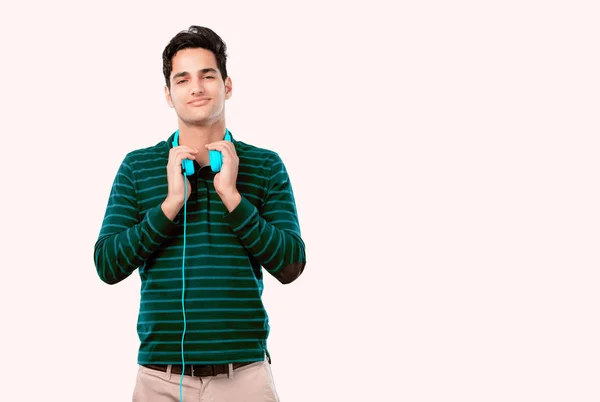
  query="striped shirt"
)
[{"x": 217, "y": 287}]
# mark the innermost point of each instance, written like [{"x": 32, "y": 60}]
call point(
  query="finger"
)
[
  {"x": 183, "y": 148},
  {"x": 181, "y": 156},
  {"x": 185, "y": 155},
  {"x": 220, "y": 144},
  {"x": 226, "y": 147},
  {"x": 229, "y": 157},
  {"x": 175, "y": 153}
]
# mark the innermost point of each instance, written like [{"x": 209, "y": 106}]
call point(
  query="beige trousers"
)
[{"x": 250, "y": 383}]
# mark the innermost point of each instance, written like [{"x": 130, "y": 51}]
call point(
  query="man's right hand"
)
[{"x": 174, "y": 201}]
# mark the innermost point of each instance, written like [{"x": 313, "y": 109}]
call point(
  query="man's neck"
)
[{"x": 198, "y": 136}]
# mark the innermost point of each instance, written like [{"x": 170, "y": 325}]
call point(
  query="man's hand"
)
[
  {"x": 174, "y": 201},
  {"x": 225, "y": 181}
]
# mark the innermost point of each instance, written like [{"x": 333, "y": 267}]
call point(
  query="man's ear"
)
[
  {"x": 228, "y": 87},
  {"x": 168, "y": 96}
]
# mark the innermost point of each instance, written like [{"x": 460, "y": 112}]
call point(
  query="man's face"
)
[{"x": 198, "y": 92}]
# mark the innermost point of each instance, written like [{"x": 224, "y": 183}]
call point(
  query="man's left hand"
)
[{"x": 225, "y": 181}]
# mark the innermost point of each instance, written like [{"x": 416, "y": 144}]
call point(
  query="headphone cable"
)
[{"x": 183, "y": 286}]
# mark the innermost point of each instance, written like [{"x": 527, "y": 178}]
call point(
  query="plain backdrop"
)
[{"x": 444, "y": 157}]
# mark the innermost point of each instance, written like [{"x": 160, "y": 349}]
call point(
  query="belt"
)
[{"x": 197, "y": 370}]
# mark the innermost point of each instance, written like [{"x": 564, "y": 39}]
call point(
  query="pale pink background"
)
[{"x": 445, "y": 161}]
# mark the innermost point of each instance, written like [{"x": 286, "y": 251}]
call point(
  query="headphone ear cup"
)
[
  {"x": 216, "y": 160},
  {"x": 215, "y": 157},
  {"x": 187, "y": 166}
]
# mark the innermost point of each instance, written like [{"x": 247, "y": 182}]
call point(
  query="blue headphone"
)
[
  {"x": 187, "y": 167},
  {"x": 215, "y": 157}
]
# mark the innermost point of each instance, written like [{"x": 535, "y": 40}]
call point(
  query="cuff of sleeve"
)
[
  {"x": 241, "y": 215},
  {"x": 160, "y": 223}
]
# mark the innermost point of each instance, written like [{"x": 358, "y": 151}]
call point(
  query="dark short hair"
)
[{"x": 195, "y": 37}]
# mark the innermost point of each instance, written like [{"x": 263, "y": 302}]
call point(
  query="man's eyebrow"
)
[
  {"x": 203, "y": 71},
  {"x": 181, "y": 74}
]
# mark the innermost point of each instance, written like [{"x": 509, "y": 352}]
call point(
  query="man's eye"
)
[
  {"x": 209, "y": 76},
  {"x": 181, "y": 81}
]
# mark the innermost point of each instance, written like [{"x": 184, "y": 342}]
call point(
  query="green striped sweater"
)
[{"x": 221, "y": 287}]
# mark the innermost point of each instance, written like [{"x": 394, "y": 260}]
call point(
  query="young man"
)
[{"x": 200, "y": 242}]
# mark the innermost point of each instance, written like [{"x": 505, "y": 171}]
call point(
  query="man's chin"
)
[{"x": 197, "y": 121}]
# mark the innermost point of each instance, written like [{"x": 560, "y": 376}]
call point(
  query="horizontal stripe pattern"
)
[{"x": 225, "y": 254}]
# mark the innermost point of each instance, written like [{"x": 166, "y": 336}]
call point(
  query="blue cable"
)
[{"x": 183, "y": 287}]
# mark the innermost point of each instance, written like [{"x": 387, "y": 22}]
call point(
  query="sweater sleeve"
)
[
  {"x": 126, "y": 238},
  {"x": 272, "y": 235}
]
